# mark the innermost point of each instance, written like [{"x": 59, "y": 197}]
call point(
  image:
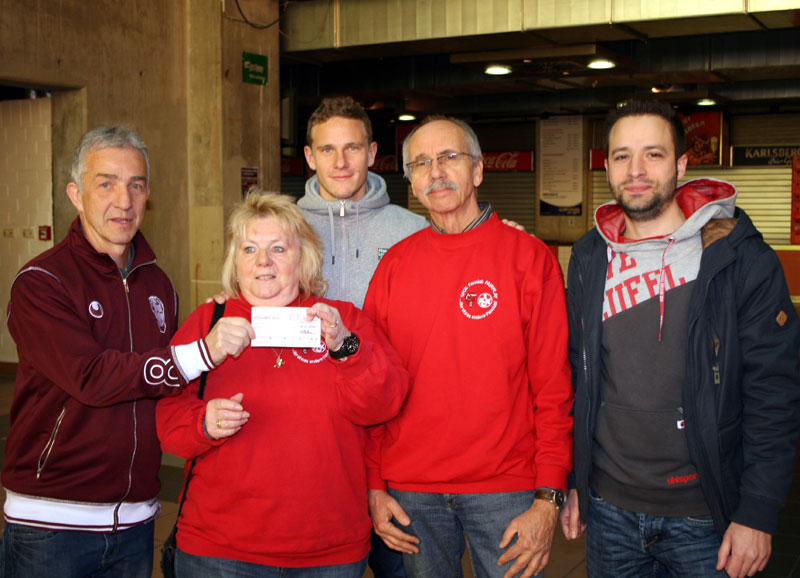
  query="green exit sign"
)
[{"x": 254, "y": 68}]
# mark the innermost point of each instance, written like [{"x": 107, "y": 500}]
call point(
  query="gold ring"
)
[
  {"x": 219, "y": 424},
  {"x": 331, "y": 326}
]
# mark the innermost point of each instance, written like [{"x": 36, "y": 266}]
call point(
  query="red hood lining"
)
[{"x": 690, "y": 196}]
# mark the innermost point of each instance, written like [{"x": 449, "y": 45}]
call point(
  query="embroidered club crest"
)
[
  {"x": 157, "y": 307},
  {"x": 478, "y": 299}
]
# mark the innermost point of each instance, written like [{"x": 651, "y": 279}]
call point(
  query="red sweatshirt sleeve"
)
[
  {"x": 372, "y": 384},
  {"x": 372, "y": 451},
  {"x": 549, "y": 372}
]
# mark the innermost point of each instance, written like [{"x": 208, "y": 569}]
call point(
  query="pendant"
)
[{"x": 278, "y": 362}]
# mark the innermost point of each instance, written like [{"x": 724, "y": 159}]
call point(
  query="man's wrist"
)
[{"x": 552, "y": 495}]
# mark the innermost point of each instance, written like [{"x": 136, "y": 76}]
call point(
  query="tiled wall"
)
[{"x": 26, "y": 195}]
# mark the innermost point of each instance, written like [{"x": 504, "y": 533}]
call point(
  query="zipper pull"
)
[
  {"x": 716, "y": 374},
  {"x": 341, "y": 208},
  {"x": 125, "y": 284}
]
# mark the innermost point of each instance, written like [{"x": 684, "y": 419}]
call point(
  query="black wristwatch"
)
[
  {"x": 556, "y": 497},
  {"x": 348, "y": 348}
]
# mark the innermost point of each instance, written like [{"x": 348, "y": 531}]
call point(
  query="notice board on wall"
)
[{"x": 560, "y": 175}]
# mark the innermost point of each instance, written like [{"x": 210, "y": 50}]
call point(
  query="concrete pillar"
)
[{"x": 204, "y": 149}]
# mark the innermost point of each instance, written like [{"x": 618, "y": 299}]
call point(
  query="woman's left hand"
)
[
  {"x": 225, "y": 417},
  {"x": 333, "y": 329}
]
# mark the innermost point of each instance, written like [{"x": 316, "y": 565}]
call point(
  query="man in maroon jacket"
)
[{"x": 92, "y": 319}]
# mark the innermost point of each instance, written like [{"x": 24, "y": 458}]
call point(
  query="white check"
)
[{"x": 284, "y": 327}]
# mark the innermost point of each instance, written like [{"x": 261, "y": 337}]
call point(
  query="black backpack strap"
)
[{"x": 219, "y": 310}]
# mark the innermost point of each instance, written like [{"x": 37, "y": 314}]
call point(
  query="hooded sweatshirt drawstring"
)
[
  {"x": 355, "y": 240},
  {"x": 662, "y": 289},
  {"x": 333, "y": 228},
  {"x": 641, "y": 269},
  {"x": 358, "y": 230},
  {"x": 333, "y": 236}
]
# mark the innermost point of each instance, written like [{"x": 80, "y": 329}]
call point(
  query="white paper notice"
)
[{"x": 284, "y": 327}]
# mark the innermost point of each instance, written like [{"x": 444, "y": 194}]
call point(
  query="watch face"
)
[
  {"x": 556, "y": 497},
  {"x": 351, "y": 344},
  {"x": 349, "y": 347}
]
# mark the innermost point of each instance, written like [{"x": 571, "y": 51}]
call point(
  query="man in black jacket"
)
[{"x": 684, "y": 353}]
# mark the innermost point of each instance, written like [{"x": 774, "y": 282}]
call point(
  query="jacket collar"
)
[{"x": 143, "y": 254}]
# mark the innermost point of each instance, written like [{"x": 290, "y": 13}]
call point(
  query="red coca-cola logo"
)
[
  {"x": 384, "y": 164},
  {"x": 508, "y": 161}
]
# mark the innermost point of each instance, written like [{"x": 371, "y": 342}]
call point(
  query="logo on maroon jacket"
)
[
  {"x": 157, "y": 307},
  {"x": 311, "y": 355},
  {"x": 96, "y": 310},
  {"x": 478, "y": 299},
  {"x": 158, "y": 371}
]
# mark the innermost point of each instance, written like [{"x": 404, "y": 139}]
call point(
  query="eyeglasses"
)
[{"x": 422, "y": 166}]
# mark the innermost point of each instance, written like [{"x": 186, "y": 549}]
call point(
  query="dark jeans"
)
[
  {"x": 625, "y": 544},
  {"x": 383, "y": 561},
  {"x": 33, "y": 553},
  {"x": 191, "y": 566},
  {"x": 441, "y": 521}
]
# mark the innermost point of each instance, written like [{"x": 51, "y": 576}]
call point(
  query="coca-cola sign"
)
[
  {"x": 597, "y": 159},
  {"x": 508, "y": 161},
  {"x": 384, "y": 164}
]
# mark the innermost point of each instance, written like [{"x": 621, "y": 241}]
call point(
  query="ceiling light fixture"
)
[
  {"x": 601, "y": 64},
  {"x": 497, "y": 70},
  {"x": 406, "y": 117},
  {"x": 659, "y": 88},
  {"x": 706, "y": 102}
]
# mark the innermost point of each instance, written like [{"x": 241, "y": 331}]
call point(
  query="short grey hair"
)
[
  {"x": 473, "y": 147},
  {"x": 102, "y": 138}
]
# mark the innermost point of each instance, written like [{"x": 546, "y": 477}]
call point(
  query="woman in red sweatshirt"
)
[{"x": 279, "y": 481}]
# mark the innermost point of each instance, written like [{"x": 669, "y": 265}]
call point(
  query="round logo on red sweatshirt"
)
[
  {"x": 478, "y": 299},
  {"x": 311, "y": 355}
]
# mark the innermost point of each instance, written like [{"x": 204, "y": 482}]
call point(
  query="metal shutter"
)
[{"x": 766, "y": 129}]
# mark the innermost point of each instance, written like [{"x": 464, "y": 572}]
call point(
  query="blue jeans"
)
[
  {"x": 383, "y": 561},
  {"x": 440, "y": 521},
  {"x": 191, "y": 566},
  {"x": 33, "y": 552},
  {"x": 624, "y": 544}
]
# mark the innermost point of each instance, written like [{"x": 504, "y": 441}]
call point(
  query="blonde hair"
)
[{"x": 259, "y": 204}]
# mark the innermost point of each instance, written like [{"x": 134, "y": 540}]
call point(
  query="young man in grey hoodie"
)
[
  {"x": 349, "y": 209},
  {"x": 347, "y": 205},
  {"x": 683, "y": 346}
]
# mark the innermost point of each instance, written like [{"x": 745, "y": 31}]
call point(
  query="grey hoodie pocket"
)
[{"x": 643, "y": 448}]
